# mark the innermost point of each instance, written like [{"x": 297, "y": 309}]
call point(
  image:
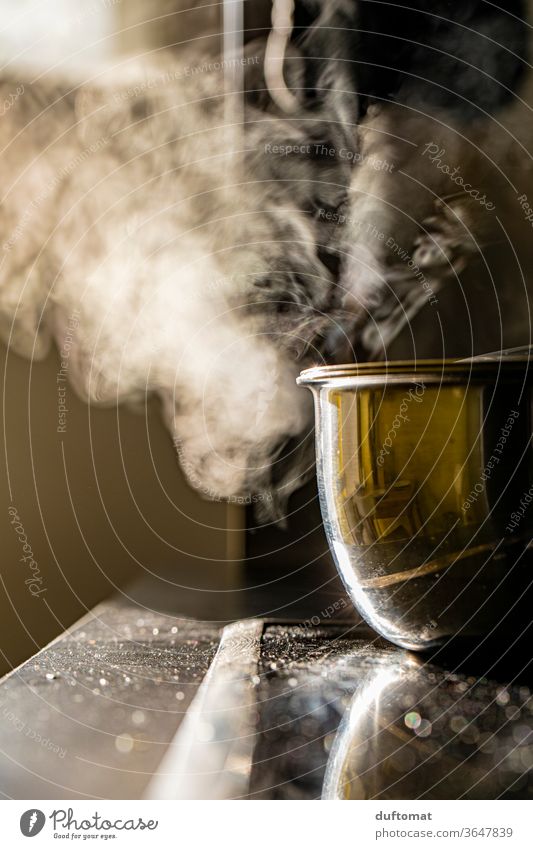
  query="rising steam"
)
[{"x": 131, "y": 238}]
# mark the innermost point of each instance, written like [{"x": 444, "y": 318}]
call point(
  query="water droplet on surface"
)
[
  {"x": 412, "y": 719},
  {"x": 424, "y": 729},
  {"x": 503, "y": 697},
  {"x": 138, "y": 717},
  {"x": 524, "y": 693},
  {"x": 522, "y": 734},
  {"x": 470, "y": 735},
  {"x": 180, "y": 696},
  {"x": 458, "y": 724},
  {"x": 51, "y": 676},
  {"x": 526, "y": 756},
  {"x": 124, "y": 743},
  {"x": 487, "y": 743}
]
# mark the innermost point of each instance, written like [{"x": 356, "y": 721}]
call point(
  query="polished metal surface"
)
[{"x": 425, "y": 477}]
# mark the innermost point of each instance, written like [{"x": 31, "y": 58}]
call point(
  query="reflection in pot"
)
[{"x": 412, "y": 732}]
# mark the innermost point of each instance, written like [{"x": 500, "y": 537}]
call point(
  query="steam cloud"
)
[{"x": 132, "y": 237}]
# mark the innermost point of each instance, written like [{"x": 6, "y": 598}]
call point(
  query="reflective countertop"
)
[
  {"x": 131, "y": 703},
  {"x": 344, "y": 715}
]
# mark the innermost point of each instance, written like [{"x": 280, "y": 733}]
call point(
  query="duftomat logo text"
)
[{"x": 32, "y": 822}]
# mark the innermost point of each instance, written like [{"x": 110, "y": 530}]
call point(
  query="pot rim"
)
[{"x": 415, "y": 371}]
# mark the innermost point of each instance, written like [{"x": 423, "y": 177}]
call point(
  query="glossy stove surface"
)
[
  {"x": 344, "y": 715},
  {"x": 131, "y": 703}
]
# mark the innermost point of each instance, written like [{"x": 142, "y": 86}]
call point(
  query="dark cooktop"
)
[{"x": 134, "y": 703}]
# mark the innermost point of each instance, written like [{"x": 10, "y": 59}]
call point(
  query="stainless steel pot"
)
[{"x": 426, "y": 489}]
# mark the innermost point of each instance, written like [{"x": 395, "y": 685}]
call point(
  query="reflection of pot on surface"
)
[
  {"x": 412, "y": 732},
  {"x": 421, "y": 467}
]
